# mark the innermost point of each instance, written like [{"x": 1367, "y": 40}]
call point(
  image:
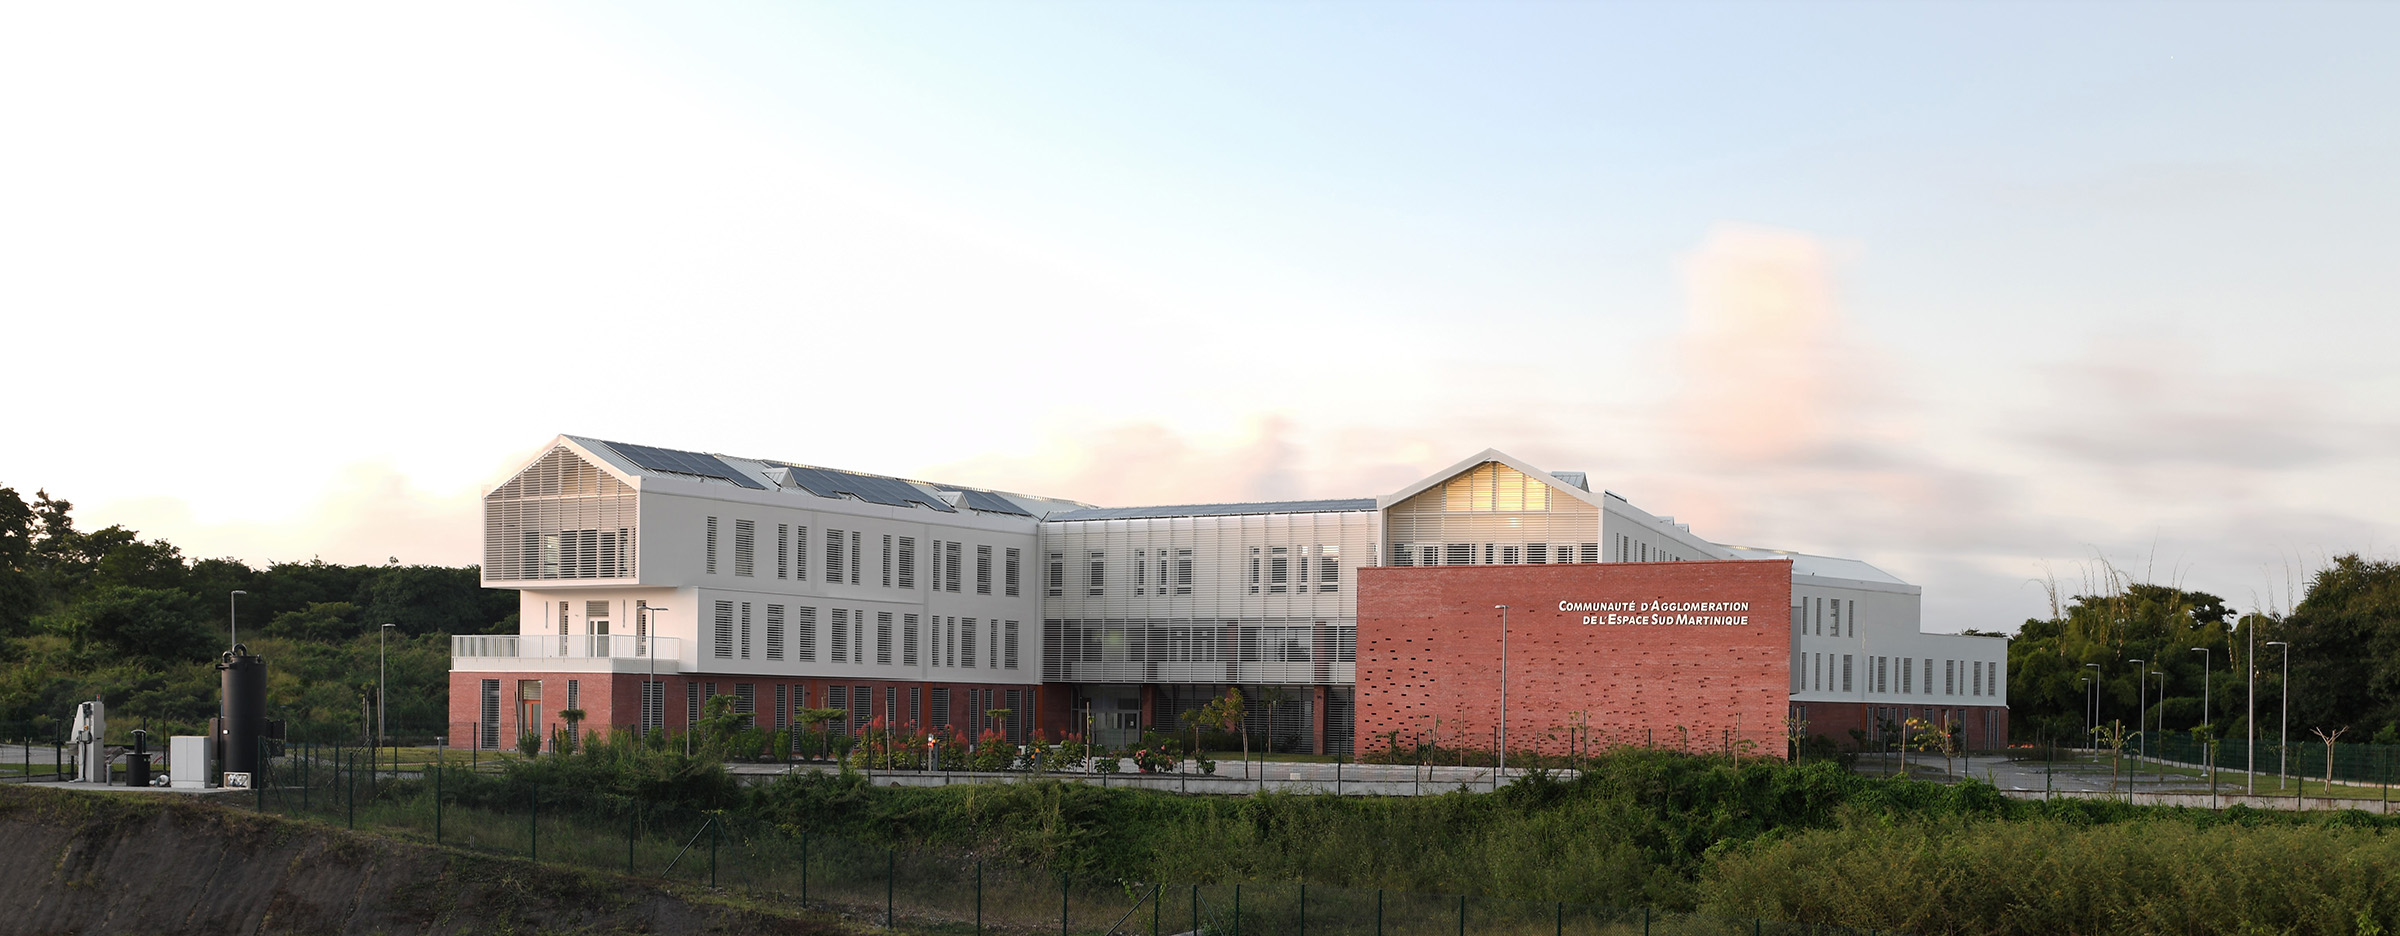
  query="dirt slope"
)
[{"x": 91, "y": 863}]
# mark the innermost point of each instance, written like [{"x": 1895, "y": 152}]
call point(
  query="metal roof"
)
[
  {"x": 1217, "y": 510},
  {"x": 1827, "y": 566}
]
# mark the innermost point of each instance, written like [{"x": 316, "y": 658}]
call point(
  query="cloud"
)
[
  {"x": 1767, "y": 371},
  {"x": 2144, "y": 401}
]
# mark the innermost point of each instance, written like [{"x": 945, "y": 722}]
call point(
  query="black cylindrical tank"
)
[
  {"x": 243, "y": 679},
  {"x": 137, "y": 764}
]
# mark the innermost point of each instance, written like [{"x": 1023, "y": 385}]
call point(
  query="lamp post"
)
[
  {"x": 1503, "y": 770},
  {"x": 233, "y": 621},
  {"x": 2091, "y": 705},
  {"x": 2141, "y": 714},
  {"x": 2207, "y": 669},
  {"x": 649, "y": 650},
  {"x": 2283, "y": 738},
  {"x": 380, "y": 735},
  {"x": 2250, "y": 743}
]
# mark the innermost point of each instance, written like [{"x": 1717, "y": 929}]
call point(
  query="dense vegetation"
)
[
  {"x": 1767, "y": 839},
  {"x": 134, "y": 622},
  {"x": 2345, "y": 658}
]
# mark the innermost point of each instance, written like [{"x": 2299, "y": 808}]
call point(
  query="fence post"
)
[
  {"x": 1237, "y": 893},
  {"x": 804, "y": 879},
  {"x": 533, "y": 819},
  {"x": 257, "y": 776},
  {"x": 1304, "y": 908},
  {"x": 633, "y": 817},
  {"x": 891, "y": 860},
  {"x": 978, "y": 897},
  {"x": 1645, "y": 921},
  {"x": 1561, "y": 928},
  {"x": 350, "y": 788},
  {"x": 1462, "y": 915},
  {"x": 1158, "y": 892},
  {"x": 1378, "y": 912},
  {"x": 437, "y": 805},
  {"x": 1062, "y": 905},
  {"x": 715, "y": 829}
]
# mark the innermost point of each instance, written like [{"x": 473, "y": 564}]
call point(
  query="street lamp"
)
[
  {"x": 2091, "y": 704},
  {"x": 1503, "y": 770},
  {"x": 2142, "y": 714},
  {"x": 380, "y": 734},
  {"x": 233, "y": 625},
  {"x": 2250, "y": 744},
  {"x": 647, "y": 638},
  {"x": 2207, "y": 669},
  {"x": 2283, "y": 739}
]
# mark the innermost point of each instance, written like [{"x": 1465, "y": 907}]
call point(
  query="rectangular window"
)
[
  {"x": 1950, "y": 677},
  {"x": 1404, "y": 554},
  {"x": 838, "y": 699},
  {"x": 745, "y": 630},
  {"x": 1279, "y": 570},
  {"x": 654, "y": 706},
  {"x": 855, "y": 560},
  {"x": 916, "y": 706},
  {"x": 800, "y": 553},
  {"x": 941, "y": 708},
  {"x": 1979, "y": 677},
  {"x": 952, "y": 556},
  {"x": 933, "y": 564},
  {"x": 883, "y": 638},
  {"x": 1183, "y": 571},
  {"x": 887, "y": 560},
  {"x": 1141, "y": 571},
  {"x": 908, "y": 562},
  {"x": 841, "y": 635},
  {"x": 1097, "y": 582},
  {"x": 992, "y": 646},
  {"x": 1591, "y": 552},
  {"x": 1010, "y": 569},
  {"x": 691, "y": 703},
  {"x": 1907, "y": 677},
  {"x": 908, "y": 640},
  {"x": 712, "y": 545},
  {"x": 724, "y": 630},
  {"x": 833, "y": 556},
  {"x": 780, "y": 719},
  {"x": 808, "y": 634},
  {"x": 1056, "y": 582},
  {"x": 1009, "y": 657},
  {"x": 1854, "y": 619},
  {"x": 783, "y": 550},
  {"x": 1846, "y": 672},
  {"x": 745, "y": 701},
  {"x": 1329, "y": 568},
  {"x": 775, "y": 632},
  {"x": 983, "y": 570},
  {"x": 1837, "y": 616},
  {"x": 862, "y": 706},
  {"x": 1254, "y": 571},
  {"x": 966, "y": 648},
  {"x": 745, "y": 548}
]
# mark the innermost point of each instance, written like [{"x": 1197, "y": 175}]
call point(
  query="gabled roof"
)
[
  {"x": 1826, "y": 566},
  {"x": 629, "y": 461},
  {"x": 1489, "y": 455}
]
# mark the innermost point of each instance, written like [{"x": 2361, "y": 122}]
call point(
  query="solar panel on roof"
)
[
  {"x": 825, "y": 482},
  {"x": 990, "y": 503},
  {"x": 651, "y": 458}
]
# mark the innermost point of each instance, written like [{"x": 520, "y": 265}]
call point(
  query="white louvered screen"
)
[{"x": 561, "y": 518}]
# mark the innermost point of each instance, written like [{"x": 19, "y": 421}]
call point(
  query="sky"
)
[{"x": 1984, "y": 294}]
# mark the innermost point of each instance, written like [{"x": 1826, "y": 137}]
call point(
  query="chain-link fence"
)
[
  {"x": 2286, "y": 766},
  {"x": 464, "y": 802},
  {"x": 30, "y": 752}
]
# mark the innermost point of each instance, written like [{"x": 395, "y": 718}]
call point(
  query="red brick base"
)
[
  {"x": 1979, "y": 727},
  {"x": 613, "y": 700}
]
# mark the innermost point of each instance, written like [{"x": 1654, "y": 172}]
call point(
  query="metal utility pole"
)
[
  {"x": 380, "y": 735},
  {"x": 2250, "y": 748},
  {"x": 233, "y": 621},
  {"x": 2141, "y": 714},
  {"x": 2207, "y": 668},
  {"x": 2091, "y": 719},
  {"x": 2283, "y": 739}
]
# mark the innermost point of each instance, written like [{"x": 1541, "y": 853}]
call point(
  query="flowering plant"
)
[{"x": 1153, "y": 760}]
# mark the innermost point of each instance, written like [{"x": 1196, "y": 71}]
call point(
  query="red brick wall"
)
[
  {"x": 1429, "y": 646},
  {"x": 1835, "y": 721},
  {"x": 614, "y": 700}
]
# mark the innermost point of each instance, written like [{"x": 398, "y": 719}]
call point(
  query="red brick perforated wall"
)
[{"x": 1429, "y": 648}]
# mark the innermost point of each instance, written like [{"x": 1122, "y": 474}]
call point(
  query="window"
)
[
  {"x": 774, "y": 632},
  {"x": 883, "y": 638},
  {"x": 1329, "y": 568},
  {"x": 916, "y": 706},
  {"x": 1009, "y": 657},
  {"x": 1183, "y": 571},
  {"x": 951, "y": 553},
  {"x": 783, "y": 551},
  {"x": 854, "y": 557},
  {"x": 833, "y": 556},
  {"x": 1253, "y": 570},
  {"x": 983, "y": 570},
  {"x": 966, "y": 648},
  {"x": 724, "y": 622},
  {"x": 1883, "y": 682},
  {"x": 574, "y": 693},
  {"x": 745, "y": 701},
  {"x": 941, "y": 708},
  {"x": 1097, "y": 583},
  {"x": 780, "y": 719},
  {"x": 1837, "y": 617},
  {"x": 950, "y": 642},
  {"x": 808, "y": 634},
  {"x": 887, "y": 560},
  {"x": 691, "y": 703},
  {"x": 745, "y": 548},
  {"x": 800, "y": 553},
  {"x": 1949, "y": 677},
  {"x": 1010, "y": 571},
  {"x": 745, "y": 630},
  {"x": 1459, "y": 554},
  {"x": 1854, "y": 619},
  {"x": 908, "y": 640},
  {"x": 654, "y": 706},
  {"x": 1279, "y": 570},
  {"x": 1846, "y": 672},
  {"x": 1141, "y": 571},
  {"x": 838, "y": 698},
  {"x": 841, "y": 635},
  {"x": 1055, "y": 582},
  {"x": 712, "y": 545},
  {"x": 908, "y": 562},
  {"x": 1978, "y": 677},
  {"x": 992, "y": 646},
  {"x": 1907, "y": 677},
  {"x": 934, "y": 562}
]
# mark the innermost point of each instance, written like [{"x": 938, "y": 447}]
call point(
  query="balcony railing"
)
[{"x": 571, "y": 647}]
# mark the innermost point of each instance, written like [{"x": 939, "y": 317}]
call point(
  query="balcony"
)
[{"x": 578, "y": 653}]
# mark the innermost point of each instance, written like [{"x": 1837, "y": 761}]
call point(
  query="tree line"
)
[
  {"x": 2343, "y": 636},
  {"x": 107, "y": 614}
]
